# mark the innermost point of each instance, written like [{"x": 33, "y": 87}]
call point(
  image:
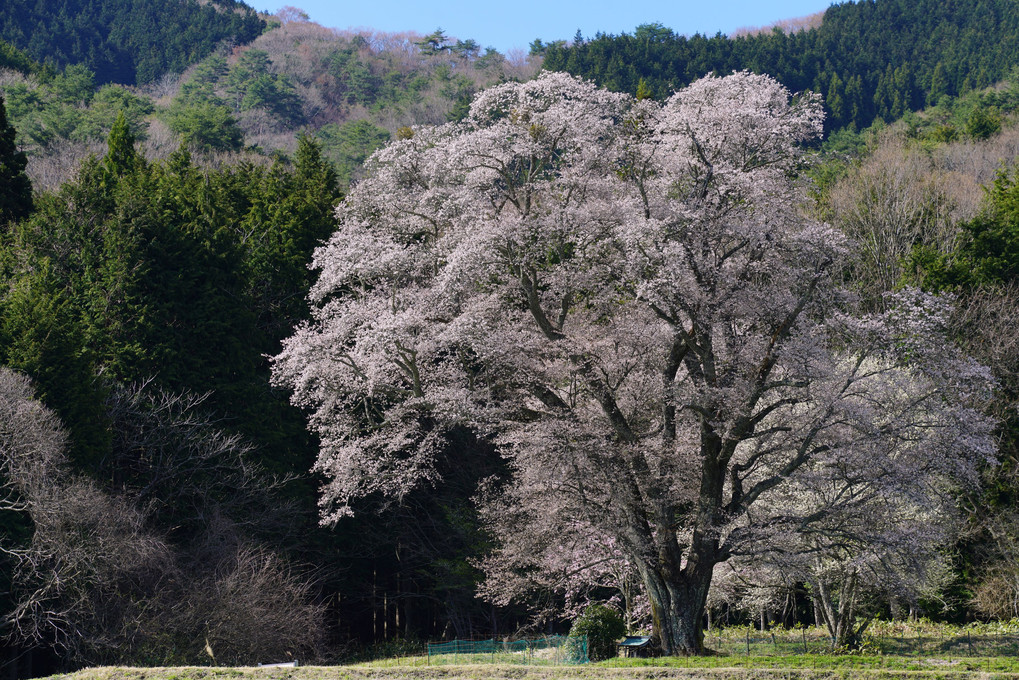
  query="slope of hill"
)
[
  {"x": 13, "y": 59},
  {"x": 126, "y": 41},
  {"x": 869, "y": 59},
  {"x": 353, "y": 91}
]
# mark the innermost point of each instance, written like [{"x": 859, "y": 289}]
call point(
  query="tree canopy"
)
[
  {"x": 625, "y": 298},
  {"x": 15, "y": 187},
  {"x": 126, "y": 42},
  {"x": 871, "y": 60}
]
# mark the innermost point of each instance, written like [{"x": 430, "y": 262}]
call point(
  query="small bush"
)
[{"x": 603, "y": 626}]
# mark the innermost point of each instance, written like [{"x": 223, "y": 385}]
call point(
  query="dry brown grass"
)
[{"x": 494, "y": 672}]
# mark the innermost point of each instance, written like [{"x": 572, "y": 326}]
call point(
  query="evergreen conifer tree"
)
[
  {"x": 121, "y": 157},
  {"x": 15, "y": 187}
]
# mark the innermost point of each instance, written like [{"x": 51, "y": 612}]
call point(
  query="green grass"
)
[
  {"x": 832, "y": 662},
  {"x": 919, "y": 650},
  {"x": 920, "y": 639}
]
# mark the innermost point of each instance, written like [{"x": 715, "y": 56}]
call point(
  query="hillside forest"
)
[{"x": 260, "y": 401}]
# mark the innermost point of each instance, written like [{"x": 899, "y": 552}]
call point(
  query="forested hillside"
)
[
  {"x": 126, "y": 42},
  {"x": 871, "y": 60},
  {"x": 353, "y": 92},
  {"x": 16, "y": 60}
]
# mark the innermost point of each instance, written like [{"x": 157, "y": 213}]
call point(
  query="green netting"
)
[{"x": 554, "y": 650}]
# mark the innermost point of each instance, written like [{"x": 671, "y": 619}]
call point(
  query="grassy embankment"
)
[
  {"x": 914, "y": 651},
  {"x": 754, "y": 669}
]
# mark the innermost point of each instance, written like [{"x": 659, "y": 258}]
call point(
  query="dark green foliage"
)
[
  {"x": 165, "y": 272},
  {"x": 66, "y": 106},
  {"x": 289, "y": 215},
  {"x": 350, "y": 144},
  {"x": 983, "y": 122},
  {"x": 492, "y": 58},
  {"x": 107, "y": 104},
  {"x": 134, "y": 288},
  {"x": 974, "y": 115},
  {"x": 205, "y": 125},
  {"x": 41, "y": 337},
  {"x": 40, "y": 119},
  {"x": 459, "y": 89},
  {"x": 125, "y": 41},
  {"x": 210, "y": 71},
  {"x": 203, "y": 114},
  {"x": 171, "y": 262},
  {"x": 603, "y": 627},
  {"x": 251, "y": 85},
  {"x": 75, "y": 85},
  {"x": 939, "y": 85},
  {"x": 121, "y": 156},
  {"x": 435, "y": 43},
  {"x": 15, "y": 187},
  {"x": 872, "y": 60},
  {"x": 982, "y": 269},
  {"x": 14, "y": 59},
  {"x": 356, "y": 82},
  {"x": 357, "y": 78},
  {"x": 987, "y": 252}
]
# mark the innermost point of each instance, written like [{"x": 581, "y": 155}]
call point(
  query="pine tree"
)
[
  {"x": 121, "y": 157},
  {"x": 939, "y": 85},
  {"x": 15, "y": 187},
  {"x": 40, "y": 337},
  {"x": 643, "y": 91},
  {"x": 835, "y": 102}
]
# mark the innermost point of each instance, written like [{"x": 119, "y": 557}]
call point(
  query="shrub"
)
[{"x": 603, "y": 626}]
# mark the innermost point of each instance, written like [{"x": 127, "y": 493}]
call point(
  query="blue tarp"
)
[{"x": 635, "y": 641}]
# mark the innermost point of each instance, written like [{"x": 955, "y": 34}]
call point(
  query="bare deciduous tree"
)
[
  {"x": 100, "y": 580},
  {"x": 89, "y": 552},
  {"x": 180, "y": 467},
  {"x": 253, "y": 608},
  {"x": 893, "y": 200}
]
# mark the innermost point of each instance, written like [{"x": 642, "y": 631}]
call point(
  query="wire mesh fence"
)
[
  {"x": 937, "y": 642},
  {"x": 553, "y": 650}
]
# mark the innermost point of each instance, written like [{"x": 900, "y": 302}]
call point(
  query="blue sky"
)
[{"x": 508, "y": 24}]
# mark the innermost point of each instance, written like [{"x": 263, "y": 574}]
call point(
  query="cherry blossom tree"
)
[
  {"x": 876, "y": 541},
  {"x": 625, "y": 299}
]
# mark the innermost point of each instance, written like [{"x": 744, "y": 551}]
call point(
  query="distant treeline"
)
[
  {"x": 869, "y": 59},
  {"x": 125, "y": 41}
]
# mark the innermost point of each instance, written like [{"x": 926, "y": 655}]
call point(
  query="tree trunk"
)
[
  {"x": 840, "y": 612},
  {"x": 677, "y": 610},
  {"x": 677, "y": 581}
]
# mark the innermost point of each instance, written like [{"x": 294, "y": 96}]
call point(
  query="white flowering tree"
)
[
  {"x": 625, "y": 299},
  {"x": 868, "y": 542}
]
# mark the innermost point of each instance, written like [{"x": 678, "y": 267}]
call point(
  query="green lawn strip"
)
[{"x": 995, "y": 664}]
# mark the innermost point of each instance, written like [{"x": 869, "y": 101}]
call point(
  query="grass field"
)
[
  {"x": 516, "y": 672},
  {"x": 895, "y": 651}
]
